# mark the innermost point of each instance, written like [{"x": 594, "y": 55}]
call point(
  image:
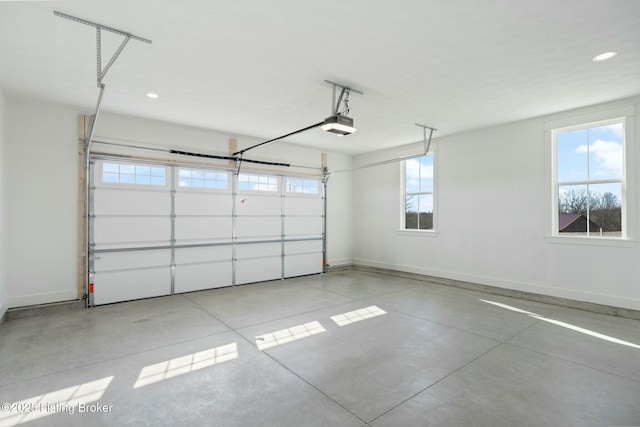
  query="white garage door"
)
[{"x": 158, "y": 229}]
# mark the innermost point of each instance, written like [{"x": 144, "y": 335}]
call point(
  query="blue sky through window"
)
[
  {"x": 202, "y": 179},
  {"x": 419, "y": 174},
  {"x": 132, "y": 174},
  {"x": 593, "y": 154},
  {"x": 419, "y": 179},
  {"x": 590, "y": 154}
]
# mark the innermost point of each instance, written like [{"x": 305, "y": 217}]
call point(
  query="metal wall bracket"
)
[
  {"x": 102, "y": 72},
  {"x": 427, "y": 142}
]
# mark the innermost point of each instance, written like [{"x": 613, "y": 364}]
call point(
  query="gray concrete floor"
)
[{"x": 303, "y": 352}]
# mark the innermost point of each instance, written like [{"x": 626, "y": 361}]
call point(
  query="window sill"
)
[
  {"x": 592, "y": 241},
  {"x": 421, "y": 233}
]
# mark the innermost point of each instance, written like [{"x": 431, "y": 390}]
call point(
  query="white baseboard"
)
[
  {"x": 340, "y": 262},
  {"x": 44, "y": 298},
  {"x": 534, "y": 288}
]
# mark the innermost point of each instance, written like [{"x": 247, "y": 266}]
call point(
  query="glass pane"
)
[
  {"x": 197, "y": 182},
  {"x": 425, "y": 209},
  {"x": 157, "y": 172},
  {"x": 128, "y": 169},
  {"x": 426, "y": 174},
  {"x": 110, "y": 167},
  {"x": 184, "y": 182},
  {"x": 605, "y": 152},
  {"x": 197, "y": 174},
  {"x": 573, "y": 157},
  {"x": 411, "y": 211},
  {"x": 209, "y": 183},
  {"x": 143, "y": 179},
  {"x": 143, "y": 170},
  {"x": 184, "y": 173},
  {"x": 221, "y": 184},
  {"x": 419, "y": 174},
  {"x": 110, "y": 177},
  {"x": 412, "y": 176},
  {"x": 128, "y": 179},
  {"x": 572, "y": 209},
  {"x": 605, "y": 209}
]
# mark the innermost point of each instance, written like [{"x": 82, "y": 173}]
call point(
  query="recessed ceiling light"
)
[
  {"x": 152, "y": 95},
  {"x": 604, "y": 56}
]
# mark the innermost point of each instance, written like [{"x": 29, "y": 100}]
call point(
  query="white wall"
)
[
  {"x": 339, "y": 212},
  {"x": 42, "y": 180},
  {"x": 3, "y": 209},
  {"x": 493, "y": 208}
]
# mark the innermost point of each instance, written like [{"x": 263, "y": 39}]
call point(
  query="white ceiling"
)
[{"x": 257, "y": 67}]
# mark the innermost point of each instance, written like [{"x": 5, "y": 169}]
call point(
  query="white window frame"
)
[
  {"x": 257, "y": 190},
  {"x": 204, "y": 170},
  {"x": 624, "y": 114},
  {"x": 318, "y": 181},
  {"x": 100, "y": 172},
  {"x": 403, "y": 196}
]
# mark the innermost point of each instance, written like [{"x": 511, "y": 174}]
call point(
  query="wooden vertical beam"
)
[
  {"x": 324, "y": 163},
  {"x": 233, "y": 147},
  {"x": 83, "y": 130}
]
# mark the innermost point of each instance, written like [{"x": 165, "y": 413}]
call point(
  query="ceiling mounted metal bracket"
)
[
  {"x": 343, "y": 99},
  {"x": 427, "y": 143},
  {"x": 101, "y": 73}
]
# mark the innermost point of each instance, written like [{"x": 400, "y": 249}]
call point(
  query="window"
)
[
  {"x": 589, "y": 197},
  {"x": 196, "y": 178},
  {"x": 305, "y": 186},
  {"x": 257, "y": 182},
  {"x": 125, "y": 173},
  {"x": 419, "y": 193}
]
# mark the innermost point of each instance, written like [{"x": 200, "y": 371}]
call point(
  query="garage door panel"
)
[
  {"x": 132, "y": 231},
  {"x": 302, "y": 258},
  {"x": 292, "y": 248},
  {"x": 258, "y": 262},
  {"x": 124, "y": 285},
  {"x": 303, "y": 226},
  {"x": 302, "y": 264},
  {"x": 303, "y": 205},
  {"x": 203, "y": 203},
  {"x": 202, "y": 229},
  {"x": 251, "y": 203},
  {"x": 131, "y": 259},
  {"x": 122, "y": 276},
  {"x": 258, "y": 269},
  {"x": 195, "y": 277},
  {"x": 121, "y": 201},
  {"x": 258, "y": 227},
  {"x": 258, "y": 250},
  {"x": 203, "y": 254}
]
